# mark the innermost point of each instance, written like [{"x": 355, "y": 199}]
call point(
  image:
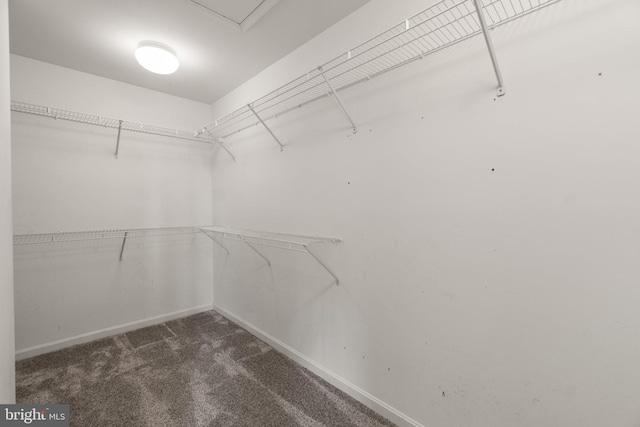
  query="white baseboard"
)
[
  {"x": 357, "y": 393},
  {"x": 119, "y": 329}
]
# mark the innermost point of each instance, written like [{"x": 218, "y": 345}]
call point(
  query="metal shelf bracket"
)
[
  {"x": 221, "y": 144},
  {"x": 344, "y": 110},
  {"x": 118, "y": 140},
  {"x": 266, "y": 127},
  {"x": 492, "y": 53},
  {"x": 306, "y": 248},
  {"x": 215, "y": 241},
  {"x": 124, "y": 240},
  {"x": 257, "y": 251}
]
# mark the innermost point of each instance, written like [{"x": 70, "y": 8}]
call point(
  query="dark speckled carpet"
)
[{"x": 201, "y": 370}]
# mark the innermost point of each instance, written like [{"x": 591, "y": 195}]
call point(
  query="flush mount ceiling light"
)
[{"x": 157, "y": 57}]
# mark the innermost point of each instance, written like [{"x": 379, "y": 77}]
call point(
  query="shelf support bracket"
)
[
  {"x": 344, "y": 110},
  {"x": 492, "y": 53},
  {"x": 124, "y": 240},
  {"x": 214, "y": 239},
  {"x": 306, "y": 248},
  {"x": 221, "y": 144},
  {"x": 266, "y": 127},
  {"x": 118, "y": 140},
  {"x": 257, "y": 251}
]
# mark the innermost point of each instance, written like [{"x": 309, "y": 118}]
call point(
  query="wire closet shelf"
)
[
  {"x": 440, "y": 26},
  {"x": 294, "y": 242},
  {"x": 76, "y": 236},
  {"x": 107, "y": 122},
  {"x": 290, "y": 242}
]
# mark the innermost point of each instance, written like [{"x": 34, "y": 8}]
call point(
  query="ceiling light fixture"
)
[{"x": 157, "y": 57}]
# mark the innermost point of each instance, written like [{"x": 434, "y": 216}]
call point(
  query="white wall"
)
[
  {"x": 7, "y": 359},
  {"x": 489, "y": 267},
  {"x": 66, "y": 178}
]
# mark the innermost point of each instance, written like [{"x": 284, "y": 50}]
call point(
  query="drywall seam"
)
[
  {"x": 352, "y": 390},
  {"x": 102, "y": 333}
]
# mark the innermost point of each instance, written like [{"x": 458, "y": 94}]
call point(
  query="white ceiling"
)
[{"x": 220, "y": 43}]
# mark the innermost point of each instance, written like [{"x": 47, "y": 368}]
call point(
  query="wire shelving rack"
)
[
  {"x": 440, "y": 26},
  {"x": 77, "y": 236},
  {"x": 264, "y": 238},
  {"x": 111, "y": 123},
  {"x": 291, "y": 242}
]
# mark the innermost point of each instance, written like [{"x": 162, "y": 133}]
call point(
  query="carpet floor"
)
[{"x": 201, "y": 370}]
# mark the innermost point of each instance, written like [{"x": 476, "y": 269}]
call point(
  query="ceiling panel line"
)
[{"x": 246, "y": 23}]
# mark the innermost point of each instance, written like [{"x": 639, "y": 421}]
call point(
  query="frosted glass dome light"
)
[{"x": 157, "y": 57}]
